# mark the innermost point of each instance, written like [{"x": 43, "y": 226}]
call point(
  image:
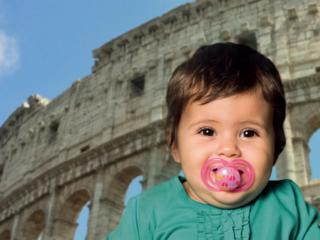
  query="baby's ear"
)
[{"x": 175, "y": 152}]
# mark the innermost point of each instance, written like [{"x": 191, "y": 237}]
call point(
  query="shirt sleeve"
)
[
  {"x": 308, "y": 227},
  {"x": 128, "y": 228}
]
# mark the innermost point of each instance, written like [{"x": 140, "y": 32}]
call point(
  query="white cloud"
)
[{"x": 9, "y": 54}]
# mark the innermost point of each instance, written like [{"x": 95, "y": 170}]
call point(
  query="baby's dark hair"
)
[{"x": 221, "y": 70}]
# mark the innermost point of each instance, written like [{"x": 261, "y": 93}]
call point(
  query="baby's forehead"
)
[
  {"x": 211, "y": 95},
  {"x": 243, "y": 107}
]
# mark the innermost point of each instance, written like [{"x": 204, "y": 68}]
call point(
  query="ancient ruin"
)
[{"x": 87, "y": 144}]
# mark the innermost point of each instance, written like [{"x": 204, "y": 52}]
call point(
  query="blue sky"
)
[{"x": 47, "y": 45}]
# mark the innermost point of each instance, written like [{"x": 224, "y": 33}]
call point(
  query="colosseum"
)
[{"x": 87, "y": 144}]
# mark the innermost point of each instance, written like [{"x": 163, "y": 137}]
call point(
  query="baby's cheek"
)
[{"x": 262, "y": 173}]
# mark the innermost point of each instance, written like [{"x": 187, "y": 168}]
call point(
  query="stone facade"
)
[{"x": 92, "y": 140}]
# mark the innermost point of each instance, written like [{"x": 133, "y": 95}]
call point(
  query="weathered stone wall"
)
[{"x": 92, "y": 140}]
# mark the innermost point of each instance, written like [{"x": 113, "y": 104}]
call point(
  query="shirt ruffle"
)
[{"x": 223, "y": 224}]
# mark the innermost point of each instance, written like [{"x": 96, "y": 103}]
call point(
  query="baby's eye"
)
[
  {"x": 207, "y": 132},
  {"x": 248, "y": 133}
]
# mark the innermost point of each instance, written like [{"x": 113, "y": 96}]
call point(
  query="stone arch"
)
[
  {"x": 65, "y": 222},
  {"x": 117, "y": 190},
  {"x": 312, "y": 122},
  {"x": 113, "y": 188},
  {"x": 314, "y": 155},
  {"x": 5, "y": 235},
  {"x": 305, "y": 120},
  {"x": 34, "y": 225}
]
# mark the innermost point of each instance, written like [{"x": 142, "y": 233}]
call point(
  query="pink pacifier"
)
[{"x": 230, "y": 176}]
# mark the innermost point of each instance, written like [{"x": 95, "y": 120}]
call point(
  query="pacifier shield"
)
[{"x": 230, "y": 176}]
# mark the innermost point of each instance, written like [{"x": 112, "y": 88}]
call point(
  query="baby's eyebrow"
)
[
  {"x": 256, "y": 123},
  {"x": 204, "y": 121}
]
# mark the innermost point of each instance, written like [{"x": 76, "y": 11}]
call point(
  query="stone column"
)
[
  {"x": 97, "y": 220},
  {"x": 285, "y": 163},
  {"x": 48, "y": 229},
  {"x": 63, "y": 229},
  {"x": 294, "y": 161},
  {"x": 301, "y": 157},
  {"x": 14, "y": 234},
  {"x": 161, "y": 166},
  {"x": 154, "y": 167},
  {"x": 154, "y": 172}
]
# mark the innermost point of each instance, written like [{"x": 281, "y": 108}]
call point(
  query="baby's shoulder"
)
[
  {"x": 154, "y": 203},
  {"x": 283, "y": 204},
  {"x": 285, "y": 194},
  {"x": 159, "y": 191},
  {"x": 158, "y": 195},
  {"x": 285, "y": 188}
]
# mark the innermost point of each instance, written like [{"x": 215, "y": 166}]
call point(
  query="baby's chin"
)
[{"x": 229, "y": 200}]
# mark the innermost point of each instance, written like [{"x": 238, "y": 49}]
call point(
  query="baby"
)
[{"x": 226, "y": 108}]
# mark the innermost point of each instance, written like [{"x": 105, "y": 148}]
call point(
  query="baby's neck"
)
[{"x": 191, "y": 193}]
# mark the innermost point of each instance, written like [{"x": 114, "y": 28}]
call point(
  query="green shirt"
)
[{"x": 166, "y": 212}]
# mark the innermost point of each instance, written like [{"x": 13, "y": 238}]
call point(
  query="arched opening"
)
[
  {"x": 66, "y": 221},
  {"x": 134, "y": 188},
  {"x": 117, "y": 193},
  {"x": 82, "y": 223},
  {"x": 314, "y": 156},
  {"x": 5, "y": 235},
  {"x": 274, "y": 174},
  {"x": 34, "y": 226}
]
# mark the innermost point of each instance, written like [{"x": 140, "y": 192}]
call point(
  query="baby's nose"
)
[{"x": 228, "y": 148}]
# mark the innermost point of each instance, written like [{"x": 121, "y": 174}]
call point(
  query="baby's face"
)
[{"x": 229, "y": 128}]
